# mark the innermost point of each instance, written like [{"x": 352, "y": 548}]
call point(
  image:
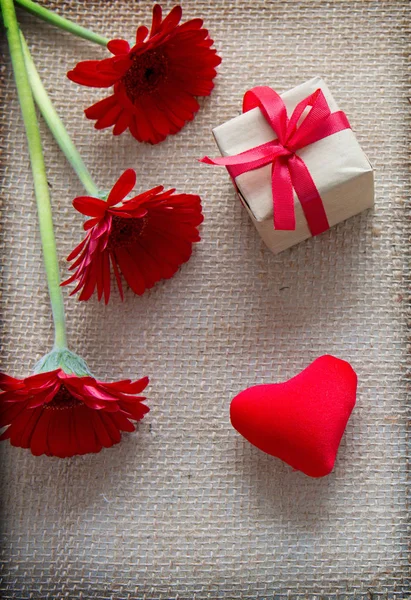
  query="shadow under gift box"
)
[{"x": 341, "y": 171}]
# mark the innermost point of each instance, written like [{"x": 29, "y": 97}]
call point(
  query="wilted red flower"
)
[
  {"x": 156, "y": 81},
  {"x": 146, "y": 238},
  {"x": 63, "y": 415}
]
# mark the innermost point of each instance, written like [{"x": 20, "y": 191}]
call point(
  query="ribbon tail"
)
[
  {"x": 248, "y": 160},
  {"x": 308, "y": 196},
  {"x": 283, "y": 197}
]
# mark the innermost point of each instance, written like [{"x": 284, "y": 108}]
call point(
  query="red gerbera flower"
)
[
  {"x": 63, "y": 415},
  {"x": 145, "y": 238},
  {"x": 156, "y": 81}
]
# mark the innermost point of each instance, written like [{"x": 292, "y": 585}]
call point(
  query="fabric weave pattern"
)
[{"x": 184, "y": 508}]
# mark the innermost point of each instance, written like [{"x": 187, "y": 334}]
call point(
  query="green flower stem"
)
[
  {"x": 54, "y": 19},
  {"x": 39, "y": 173},
  {"x": 55, "y": 123}
]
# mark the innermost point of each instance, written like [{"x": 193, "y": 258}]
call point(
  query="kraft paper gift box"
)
[{"x": 338, "y": 167}]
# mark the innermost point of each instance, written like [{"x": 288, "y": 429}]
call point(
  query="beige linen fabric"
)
[{"x": 185, "y": 508}]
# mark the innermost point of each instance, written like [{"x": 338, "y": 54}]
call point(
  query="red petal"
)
[
  {"x": 122, "y": 123},
  {"x": 126, "y": 386},
  {"x": 163, "y": 104},
  {"x": 10, "y": 412},
  {"x": 141, "y": 127},
  {"x": 89, "y": 206},
  {"x": 184, "y": 231},
  {"x": 38, "y": 443},
  {"x": 77, "y": 249},
  {"x": 118, "y": 47},
  {"x": 114, "y": 67},
  {"x": 9, "y": 383},
  {"x": 167, "y": 270},
  {"x": 130, "y": 270},
  {"x": 111, "y": 428},
  {"x": 90, "y": 224},
  {"x": 123, "y": 187},
  {"x": 18, "y": 426},
  {"x": 174, "y": 248},
  {"x": 87, "y": 66},
  {"x": 156, "y": 20},
  {"x": 117, "y": 276},
  {"x": 192, "y": 24},
  {"x": 87, "y": 276},
  {"x": 72, "y": 442},
  {"x": 92, "y": 79},
  {"x": 172, "y": 19},
  {"x": 41, "y": 379},
  {"x": 6, "y": 434},
  {"x": 106, "y": 276},
  {"x": 179, "y": 102},
  {"x": 171, "y": 254},
  {"x": 148, "y": 266},
  {"x": 30, "y": 427},
  {"x": 157, "y": 117},
  {"x": 122, "y": 422},
  {"x": 100, "y": 275},
  {"x": 135, "y": 411},
  {"x": 57, "y": 433},
  {"x": 100, "y": 430},
  {"x": 84, "y": 431},
  {"x": 110, "y": 118},
  {"x": 141, "y": 34},
  {"x": 43, "y": 397},
  {"x": 98, "y": 393},
  {"x": 97, "y": 110}
]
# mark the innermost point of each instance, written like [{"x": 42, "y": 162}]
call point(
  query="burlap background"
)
[{"x": 185, "y": 508}]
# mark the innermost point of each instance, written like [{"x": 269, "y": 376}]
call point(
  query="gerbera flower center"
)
[
  {"x": 146, "y": 73},
  {"x": 125, "y": 232},
  {"x": 63, "y": 400}
]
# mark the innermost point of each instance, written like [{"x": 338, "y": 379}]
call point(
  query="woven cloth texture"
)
[{"x": 184, "y": 507}]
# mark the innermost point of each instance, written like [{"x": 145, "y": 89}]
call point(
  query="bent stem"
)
[
  {"x": 55, "y": 123},
  {"x": 39, "y": 173},
  {"x": 61, "y": 22}
]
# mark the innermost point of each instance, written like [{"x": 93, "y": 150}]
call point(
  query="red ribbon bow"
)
[{"x": 288, "y": 169}]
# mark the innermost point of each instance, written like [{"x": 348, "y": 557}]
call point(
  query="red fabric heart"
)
[{"x": 302, "y": 420}]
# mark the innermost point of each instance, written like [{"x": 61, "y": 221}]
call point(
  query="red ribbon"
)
[{"x": 288, "y": 169}]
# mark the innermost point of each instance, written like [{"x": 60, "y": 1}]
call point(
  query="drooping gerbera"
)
[
  {"x": 144, "y": 238},
  {"x": 63, "y": 415},
  {"x": 155, "y": 81}
]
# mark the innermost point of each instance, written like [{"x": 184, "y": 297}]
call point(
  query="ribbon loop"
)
[
  {"x": 271, "y": 105},
  {"x": 302, "y": 125},
  {"x": 310, "y": 122}
]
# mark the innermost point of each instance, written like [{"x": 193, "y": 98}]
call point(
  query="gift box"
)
[{"x": 295, "y": 162}]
